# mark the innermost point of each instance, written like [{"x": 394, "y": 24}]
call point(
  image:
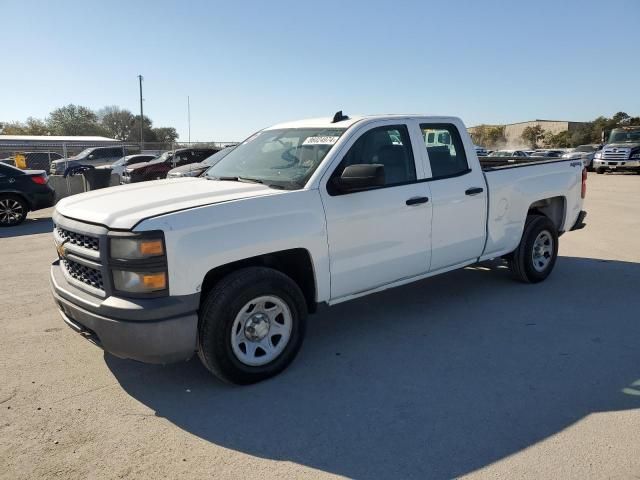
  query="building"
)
[{"x": 513, "y": 131}]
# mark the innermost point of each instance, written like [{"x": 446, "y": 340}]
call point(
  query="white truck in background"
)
[
  {"x": 304, "y": 213},
  {"x": 621, "y": 153}
]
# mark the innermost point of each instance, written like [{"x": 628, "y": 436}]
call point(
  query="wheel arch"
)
[
  {"x": 296, "y": 263},
  {"x": 19, "y": 194},
  {"x": 554, "y": 208}
]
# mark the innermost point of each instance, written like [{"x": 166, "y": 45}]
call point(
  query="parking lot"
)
[{"x": 468, "y": 373}]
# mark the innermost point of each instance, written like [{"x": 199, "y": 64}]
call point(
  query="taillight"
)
[
  {"x": 583, "y": 193},
  {"x": 39, "y": 179}
]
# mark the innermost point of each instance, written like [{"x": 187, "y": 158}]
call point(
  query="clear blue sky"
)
[{"x": 246, "y": 64}]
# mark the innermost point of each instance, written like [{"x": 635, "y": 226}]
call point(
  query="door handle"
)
[
  {"x": 417, "y": 200},
  {"x": 474, "y": 191}
]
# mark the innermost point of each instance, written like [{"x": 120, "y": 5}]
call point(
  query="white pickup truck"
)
[{"x": 311, "y": 212}]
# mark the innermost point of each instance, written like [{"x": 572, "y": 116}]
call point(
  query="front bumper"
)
[
  {"x": 616, "y": 164},
  {"x": 160, "y": 330}
]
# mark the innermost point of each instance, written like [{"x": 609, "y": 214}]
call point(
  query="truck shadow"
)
[
  {"x": 30, "y": 226},
  {"x": 431, "y": 380}
]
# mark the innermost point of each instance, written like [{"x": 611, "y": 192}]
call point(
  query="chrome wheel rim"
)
[
  {"x": 10, "y": 211},
  {"x": 542, "y": 251},
  {"x": 261, "y": 330}
]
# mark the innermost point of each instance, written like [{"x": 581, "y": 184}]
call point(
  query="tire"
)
[
  {"x": 540, "y": 235},
  {"x": 13, "y": 210},
  {"x": 227, "y": 308},
  {"x": 600, "y": 170}
]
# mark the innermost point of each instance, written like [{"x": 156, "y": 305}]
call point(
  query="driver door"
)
[{"x": 381, "y": 235}]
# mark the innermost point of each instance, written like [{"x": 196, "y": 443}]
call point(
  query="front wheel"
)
[
  {"x": 536, "y": 255},
  {"x": 13, "y": 210},
  {"x": 600, "y": 170},
  {"x": 252, "y": 324}
]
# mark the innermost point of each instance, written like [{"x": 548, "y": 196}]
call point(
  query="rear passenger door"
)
[
  {"x": 380, "y": 235},
  {"x": 459, "y": 196}
]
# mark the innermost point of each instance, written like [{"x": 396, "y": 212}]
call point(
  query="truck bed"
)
[{"x": 496, "y": 163}]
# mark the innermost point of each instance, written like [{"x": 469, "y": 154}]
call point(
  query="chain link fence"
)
[{"x": 77, "y": 166}]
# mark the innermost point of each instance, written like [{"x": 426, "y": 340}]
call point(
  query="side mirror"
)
[
  {"x": 90, "y": 157},
  {"x": 361, "y": 177}
]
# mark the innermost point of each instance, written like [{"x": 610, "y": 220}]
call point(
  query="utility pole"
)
[
  {"x": 189, "y": 118},
  {"x": 140, "y": 78}
]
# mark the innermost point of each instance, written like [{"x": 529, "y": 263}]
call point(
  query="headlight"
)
[
  {"x": 598, "y": 155},
  {"x": 136, "y": 248},
  {"x": 139, "y": 282}
]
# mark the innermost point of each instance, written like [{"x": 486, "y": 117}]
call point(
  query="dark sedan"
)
[
  {"x": 22, "y": 191},
  {"x": 197, "y": 169},
  {"x": 158, "y": 168}
]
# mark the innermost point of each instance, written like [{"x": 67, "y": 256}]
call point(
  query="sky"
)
[{"x": 249, "y": 64}]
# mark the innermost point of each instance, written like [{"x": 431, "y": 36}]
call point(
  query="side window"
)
[
  {"x": 445, "y": 150},
  {"x": 388, "y": 146}
]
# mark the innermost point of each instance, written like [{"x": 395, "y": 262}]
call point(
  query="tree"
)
[
  {"x": 74, "y": 120},
  {"x": 116, "y": 122},
  {"x": 134, "y": 133},
  {"x": 531, "y": 134},
  {"x": 489, "y": 136},
  {"x": 165, "y": 134}
]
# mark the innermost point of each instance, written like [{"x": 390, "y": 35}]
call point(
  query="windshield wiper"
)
[{"x": 239, "y": 179}]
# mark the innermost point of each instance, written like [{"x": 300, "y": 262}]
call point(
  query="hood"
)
[
  {"x": 622, "y": 145},
  {"x": 136, "y": 166},
  {"x": 577, "y": 154},
  {"x": 189, "y": 167},
  {"x": 124, "y": 206}
]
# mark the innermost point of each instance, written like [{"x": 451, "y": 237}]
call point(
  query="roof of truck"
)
[{"x": 327, "y": 122}]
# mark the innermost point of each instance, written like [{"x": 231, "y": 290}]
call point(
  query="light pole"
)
[
  {"x": 189, "y": 118},
  {"x": 140, "y": 78}
]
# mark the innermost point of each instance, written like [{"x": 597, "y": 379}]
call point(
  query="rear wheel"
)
[
  {"x": 252, "y": 324},
  {"x": 536, "y": 255},
  {"x": 13, "y": 210}
]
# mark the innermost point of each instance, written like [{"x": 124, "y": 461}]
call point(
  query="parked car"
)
[
  {"x": 547, "y": 153},
  {"x": 157, "y": 169},
  {"x": 481, "y": 151},
  {"x": 22, "y": 191},
  {"x": 311, "y": 212},
  {"x": 586, "y": 153},
  {"x": 197, "y": 169},
  {"x": 36, "y": 160},
  {"x": 622, "y": 151},
  {"x": 95, "y": 156},
  {"x": 508, "y": 153},
  {"x": 119, "y": 166}
]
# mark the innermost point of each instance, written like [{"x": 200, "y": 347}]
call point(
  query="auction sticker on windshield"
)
[{"x": 320, "y": 140}]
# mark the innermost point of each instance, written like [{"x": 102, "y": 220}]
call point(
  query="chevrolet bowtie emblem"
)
[{"x": 60, "y": 249}]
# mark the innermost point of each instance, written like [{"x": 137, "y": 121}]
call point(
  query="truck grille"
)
[
  {"x": 79, "y": 239},
  {"x": 616, "y": 153},
  {"x": 87, "y": 275}
]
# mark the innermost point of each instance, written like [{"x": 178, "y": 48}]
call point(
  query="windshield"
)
[
  {"x": 284, "y": 157},
  {"x": 119, "y": 163},
  {"x": 162, "y": 158},
  {"x": 624, "y": 136},
  {"x": 83, "y": 153},
  {"x": 585, "y": 148},
  {"x": 216, "y": 157}
]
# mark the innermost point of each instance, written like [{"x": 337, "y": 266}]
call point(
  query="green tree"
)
[
  {"x": 33, "y": 126},
  {"x": 489, "y": 136},
  {"x": 117, "y": 122},
  {"x": 165, "y": 134},
  {"x": 74, "y": 120},
  {"x": 532, "y": 134},
  {"x": 134, "y": 133}
]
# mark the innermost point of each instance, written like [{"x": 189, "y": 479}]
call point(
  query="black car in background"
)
[
  {"x": 197, "y": 169},
  {"x": 22, "y": 191}
]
